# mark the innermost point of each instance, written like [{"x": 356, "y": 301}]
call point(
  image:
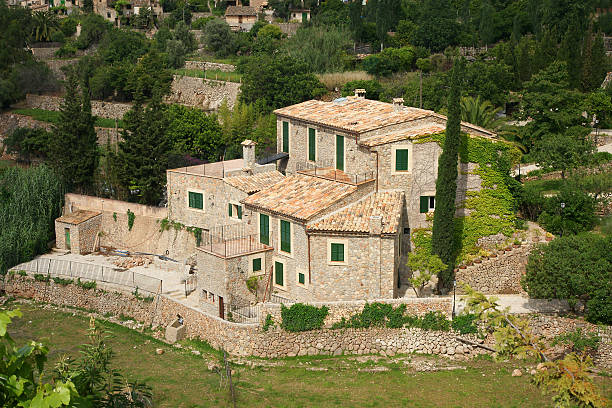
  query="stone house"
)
[
  {"x": 108, "y": 9},
  {"x": 240, "y": 18},
  {"x": 300, "y": 15},
  {"x": 77, "y": 231}
]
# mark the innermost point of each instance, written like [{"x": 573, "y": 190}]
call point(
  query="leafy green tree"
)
[
  {"x": 437, "y": 25},
  {"x": 182, "y": 33},
  {"x": 93, "y": 27},
  {"x": 320, "y": 49},
  {"x": 142, "y": 157},
  {"x": 218, "y": 37},
  {"x": 390, "y": 60},
  {"x": 598, "y": 105},
  {"x": 161, "y": 37},
  {"x": 276, "y": 82},
  {"x": 564, "y": 151},
  {"x": 491, "y": 81},
  {"x": 193, "y": 132},
  {"x": 595, "y": 65},
  {"x": 480, "y": 112},
  {"x": 122, "y": 45},
  {"x": 75, "y": 128},
  {"x": 28, "y": 143},
  {"x": 569, "y": 212},
  {"x": 573, "y": 267},
  {"x": 423, "y": 266},
  {"x": 486, "y": 31},
  {"x": 443, "y": 240},
  {"x": 176, "y": 52},
  {"x": 45, "y": 24}
]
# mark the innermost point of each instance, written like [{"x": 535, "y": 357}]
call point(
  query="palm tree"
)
[
  {"x": 45, "y": 23},
  {"x": 480, "y": 113}
]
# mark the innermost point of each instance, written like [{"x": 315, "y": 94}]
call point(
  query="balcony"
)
[
  {"x": 331, "y": 173},
  {"x": 229, "y": 241}
]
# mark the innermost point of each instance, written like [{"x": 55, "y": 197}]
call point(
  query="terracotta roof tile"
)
[
  {"x": 404, "y": 134},
  {"x": 240, "y": 11},
  {"x": 78, "y": 216},
  {"x": 252, "y": 183},
  {"x": 356, "y": 217},
  {"x": 299, "y": 196},
  {"x": 352, "y": 113}
]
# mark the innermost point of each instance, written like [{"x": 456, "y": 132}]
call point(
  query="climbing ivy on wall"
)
[
  {"x": 491, "y": 210},
  {"x": 165, "y": 224}
]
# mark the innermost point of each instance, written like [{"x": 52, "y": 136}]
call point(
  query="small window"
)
[
  {"x": 337, "y": 252},
  {"x": 285, "y": 137},
  {"x": 285, "y": 236},
  {"x": 312, "y": 144},
  {"x": 196, "y": 200},
  {"x": 234, "y": 210},
  {"x": 427, "y": 204},
  {"x": 279, "y": 278},
  {"x": 301, "y": 278},
  {"x": 256, "y": 264},
  {"x": 401, "y": 160},
  {"x": 406, "y": 230}
]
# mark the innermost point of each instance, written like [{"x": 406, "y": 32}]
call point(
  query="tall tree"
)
[
  {"x": 443, "y": 242},
  {"x": 74, "y": 149},
  {"x": 486, "y": 31},
  {"x": 594, "y": 67},
  {"x": 142, "y": 157}
]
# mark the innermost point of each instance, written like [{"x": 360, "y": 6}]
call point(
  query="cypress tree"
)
[
  {"x": 443, "y": 243},
  {"x": 74, "y": 148},
  {"x": 142, "y": 157}
]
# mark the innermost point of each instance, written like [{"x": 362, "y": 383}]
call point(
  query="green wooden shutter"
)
[
  {"x": 401, "y": 159},
  {"x": 264, "y": 229},
  {"x": 239, "y": 207},
  {"x": 278, "y": 274},
  {"x": 340, "y": 152},
  {"x": 312, "y": 147},
  {"x": 285, "y": 227},
  {"x": 301, "y": 278},
  {"x": 191, "y": 204},
  {"x": 285, "y": 137},
  {"x": 337, "y": 252},
  {"x": 229, "y": 209},
  {"x": 200, "y": 201},
  {"x": 256, "y": 264},
  {"x": 304, "y": 17},
  {"x": 424, "y": 204}
]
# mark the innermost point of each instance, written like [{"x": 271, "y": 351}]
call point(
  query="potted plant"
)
[
  {"x": 516, "y": 243},
  {"x": 537, "y": 235},
  {"x": 549, "y": 236}
]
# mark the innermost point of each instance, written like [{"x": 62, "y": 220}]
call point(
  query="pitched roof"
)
[
  {"x": 299, "y": 196},
  {"x": 240, "y": 11},
  {"x": 356, "y": 217},
  {"x": 352, "y": 114},
  {"x": 252, "y": 183},
  {"x": 412, "y": 133},
  {"x": 77, "y": 217}
]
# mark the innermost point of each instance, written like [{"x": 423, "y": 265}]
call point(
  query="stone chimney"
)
[
  {"x": 376, "y": 225},
  {"x": 360, "y": 93},
  {"x": 248, "y": 153},
  {"x": 398, "y": 104}
]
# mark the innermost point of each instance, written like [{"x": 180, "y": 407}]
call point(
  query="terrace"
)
[{"x": 228, "y": 241}]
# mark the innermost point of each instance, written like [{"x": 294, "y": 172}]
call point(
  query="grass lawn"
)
[
  {"x": 182, "y": 379},
  {"x": 210, "y": 74},
  {"x": 54, "y": 117}
]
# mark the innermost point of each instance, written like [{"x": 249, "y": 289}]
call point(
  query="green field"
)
[
  {"x": 182, "y": 379},
  {"x": 210, "y": 74},
  {"x": 54, "y": 117}
]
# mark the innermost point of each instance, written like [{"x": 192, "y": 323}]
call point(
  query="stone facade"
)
[
  {"x": 205, "y": 94},
  {"x": 82, "y": 235},
  {"x": 497, "y": 275},
  {"x": 206, "y": 66},
  {"x": 113, "y": 110}
]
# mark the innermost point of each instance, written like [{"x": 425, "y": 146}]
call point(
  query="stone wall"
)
[
  {"x": 84, "y": 202},
  {"x": 56, "y": 66},
  {"x": 497, "y": 275},
  {"x": 205, "y": 94},
  {"x": 113, "y": 110},
  {"x": 44, "y": 53},
  {"x": 206, "y": 66}
]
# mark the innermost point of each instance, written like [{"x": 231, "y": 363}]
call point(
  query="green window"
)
[
  {"x": 427, "y": 203},
  {"x": 285, "y": 236},
  {"x": 264, "y": 229},
  {"x": 239, "y": 211},
  {"x": 256, "y": 264},
  {"x": 304, "y": 18},
  {"x": 301, "y": 278},
  {"x": 312, "y": 147},
  {"x": 229, "y": 209},
  {"x": 340, "y": 152},
  {"x": 196, "y": 200},
  {"x": 401, "y": 160},
  {"x": 337, "y": 252},
  {"x": 285, "y": 137},
  {"x": 278, "y": 274}
]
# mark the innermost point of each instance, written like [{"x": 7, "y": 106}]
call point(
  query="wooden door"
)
[
  {"x": 67, "y": 235},
  {"x": 221, "y": 308}
]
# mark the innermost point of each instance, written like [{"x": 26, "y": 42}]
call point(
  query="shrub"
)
[
  {"x": 577, "y": 215},
  {"x": 301, "y": 317},
  {"x": 390, "y": 60},
  {"x": 464, "y": 323},
  {"x": 68, "y": 49},
  {"x": 22, "y": 273},
  {"x": 432, "y": 321},
  {"x": 86, "y": 285},
  {"x": 63, "y": 282},
  {"x": 373, "y": 88},
  {"x": 131, "y": 217},
  {"x": 268, "y": 323},
  {"x": 579, "y": 341},
  {"x": 531, "y": 202},
  {"x": 576, "y": 268},
  {"x": 41, "y": 278}
]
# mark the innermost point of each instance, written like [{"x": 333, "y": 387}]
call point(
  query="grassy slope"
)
[{"x": 181, "y": 379}]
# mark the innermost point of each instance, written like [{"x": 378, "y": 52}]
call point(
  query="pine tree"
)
[
  {"x": 142, "y": 158},
  {"x": 74, "y": 149},
  {"x": 594, "y": 67},
  {"x": 443, "y": 243}
]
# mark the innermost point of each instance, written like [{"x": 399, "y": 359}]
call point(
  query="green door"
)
[
  {"x": 304, "y": 17},
  {"x": 67, "y": 234},
  {"x": 279, "y": 277},
  {"x": 264, "y": 229},
  {"x": 340, "y": 152}
]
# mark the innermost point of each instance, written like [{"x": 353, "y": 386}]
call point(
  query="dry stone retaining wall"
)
[
  {"x": 205, "y": 94},
  {"x": 206, "y": 66},
  {"x": 113, "y": 110}
]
